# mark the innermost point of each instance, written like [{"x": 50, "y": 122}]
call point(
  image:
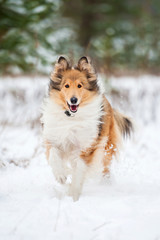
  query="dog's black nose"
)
[{"x": 74, "y": 100}]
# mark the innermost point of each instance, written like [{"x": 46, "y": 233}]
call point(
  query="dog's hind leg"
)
[{"x": 78, "y": 176}]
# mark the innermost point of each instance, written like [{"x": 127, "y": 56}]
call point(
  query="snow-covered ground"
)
[{"x": 124, "y": 207}]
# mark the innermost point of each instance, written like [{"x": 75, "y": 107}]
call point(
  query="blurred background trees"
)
[{"x": 119, "y": 35}]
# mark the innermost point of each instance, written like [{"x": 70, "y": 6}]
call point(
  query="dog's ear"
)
[
  {"x": 61, "y": 66},
  {"x": 85, "y": 65}
]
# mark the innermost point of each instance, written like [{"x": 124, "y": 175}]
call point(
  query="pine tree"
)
[{"x": 24, "y": 25}]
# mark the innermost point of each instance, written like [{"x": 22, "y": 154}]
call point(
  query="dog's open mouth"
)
[{"x": 73, "y": 108}]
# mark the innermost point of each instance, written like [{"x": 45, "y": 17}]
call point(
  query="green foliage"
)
[
  {"x": 122, "y": 34},
  {"x": 23, "y": 27},
  {"x": 118, "y": 34}
]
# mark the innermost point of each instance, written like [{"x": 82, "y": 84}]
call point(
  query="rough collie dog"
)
[{"x": 79, "y": 125}]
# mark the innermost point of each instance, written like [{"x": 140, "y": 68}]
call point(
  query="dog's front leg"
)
[
  {"x": 78, "y": 176},
  {"x": 58, "y": 166}
]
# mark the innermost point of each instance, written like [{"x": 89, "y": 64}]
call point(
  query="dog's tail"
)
[{"x": 124, "y": 123}]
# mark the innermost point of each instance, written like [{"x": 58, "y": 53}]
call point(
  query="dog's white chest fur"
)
[{"x": 75, "y": 132}]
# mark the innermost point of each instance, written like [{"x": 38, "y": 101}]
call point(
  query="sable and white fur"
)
[{"x": 93, "y": 133}]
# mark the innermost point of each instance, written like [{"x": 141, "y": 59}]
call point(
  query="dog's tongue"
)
[{"x": 74, "y": 108}]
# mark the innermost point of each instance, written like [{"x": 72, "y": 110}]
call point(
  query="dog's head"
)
[{"x": 73, "y": 87}]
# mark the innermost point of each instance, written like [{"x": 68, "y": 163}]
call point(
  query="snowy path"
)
[{"x": 124, "y": 207}]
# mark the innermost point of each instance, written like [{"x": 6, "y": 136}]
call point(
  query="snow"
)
[{"x": 125, "y": 206}]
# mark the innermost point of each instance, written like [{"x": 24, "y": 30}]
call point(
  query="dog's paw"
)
[
  {"x": 61, "y": 179},
  {"x": 60, "y": 175},
  {"x": 76, "y": 197},
  {"x": 74, "y": 193}
]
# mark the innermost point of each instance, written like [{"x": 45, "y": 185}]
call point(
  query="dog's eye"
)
[
  {"x": 79, "y": 85},
  {"x": 67, "y": 86}
]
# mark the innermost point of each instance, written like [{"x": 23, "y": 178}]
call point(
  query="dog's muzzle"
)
[{"x": 73, "y": 107}]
